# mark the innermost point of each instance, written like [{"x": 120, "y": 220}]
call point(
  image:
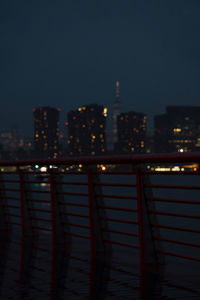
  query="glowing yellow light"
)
[
  {"x": 79, "y": 109},
  {"x": 93, "y": 137},
  {"x": 105, "y": 112},
  {"x": 176, "y": 168},
  {"x": 181, "y": 150},
  {"x": 80, "y": 166},
  {"x": 195, "y": 169},
  {"x": 177, "y": 130},
  {"x": 159, "y": 169},
  {"x": 43, "y": 169}
]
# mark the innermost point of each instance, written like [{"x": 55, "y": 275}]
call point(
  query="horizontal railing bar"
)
[
  {"x": 77, "y": 235},
  {"x": 10, "y": 198},
  {"x": 35, "y": 181},
  {"x": 10, "y": 190},
  {"x": 75, "y": 215},
  {"x": 118, "y": 208},
  {"x": 167, "y": 186},
  {"x": 73, "y": 194},
  {"x": 120, "y": 232},
  {"x": 12, "y": 215},
  {"x": 177, "y": 242},
  {"x": 176, "y": 228},
  {"x": 117, "y": 196},
  {"x": 41, "y": 219},
  {"x": 13, "y": 223},
  {"x": 121, "y": 244},
  {"x": 11, "y": 206},
  {"x": 38, "y": 201},
  {"x": 179, "y": 255},
  {"x": 120, "y": 220},
  {"x": 9, "y": 181},
  {"x": 157, "y": 212},
  {"x": 73, "y": 204},
  {"x": 37, "y": 191},
  {"x": 76, "y": 225},
  {"x": 72, "y": 183},
  {"x": 40, "y": 209},
  {"x": 173, "y": 200},
  {"x": 115, "y": 184},
  {"x": 114, "y": 159}
]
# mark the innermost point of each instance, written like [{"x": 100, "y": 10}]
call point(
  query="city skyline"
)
[{"x": 71, "y": 53}]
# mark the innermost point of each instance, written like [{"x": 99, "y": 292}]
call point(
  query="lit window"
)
[
  {"x": 177, "y": 130},
  {"x": 105, "y": 111}
]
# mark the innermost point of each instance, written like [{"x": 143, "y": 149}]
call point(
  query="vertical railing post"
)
[
  {"x": 149, "y": 262},
  {"x": 91, "y": 214},
  {"x": 96, "y": 241},
  {"x": 26, "y": 230},
  {"x": 4, "y": 232},
  {"x": 58, "y": 237},
  {"x": 140, "y": 204},
  {"x": 4, "y": 219},
  {"x": 53, "y": 217},
  {"x": 140, "y": 207},
  {"x": 57, "y": 227}
]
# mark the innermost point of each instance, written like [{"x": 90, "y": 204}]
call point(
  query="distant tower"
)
[{"x": 116, "y": 112}]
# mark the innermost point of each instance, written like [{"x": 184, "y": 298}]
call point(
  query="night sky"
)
[{"x": 65, "y": 53}]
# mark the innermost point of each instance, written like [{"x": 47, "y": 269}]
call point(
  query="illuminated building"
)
[
  {"x": 116, "y": 112},
  {"x": 178, "y": 130},
  {"x": 10, "y": 139},
  {"x": 131, "y": 129},
  {"x": 46, "y": 132},
  {"x": 86, "y": 130}
]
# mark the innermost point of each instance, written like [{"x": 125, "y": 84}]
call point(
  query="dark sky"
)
[{"x": 66, "y": 53}]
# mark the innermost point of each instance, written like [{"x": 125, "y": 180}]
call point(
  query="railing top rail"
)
[{"x": 115, "y": 159}]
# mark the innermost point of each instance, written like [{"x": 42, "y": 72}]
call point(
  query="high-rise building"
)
[
  {"x": 46, "y": 132},
  {"x": 10, "y": 139},
  {"x": 178, "y": 130},
  {"x": 87, "y": 130},
  {"x": 131, "y": 128},
  {"x": 117, "y": 106}
]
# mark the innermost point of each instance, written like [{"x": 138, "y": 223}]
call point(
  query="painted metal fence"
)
[{"x": 151, "y": 218}]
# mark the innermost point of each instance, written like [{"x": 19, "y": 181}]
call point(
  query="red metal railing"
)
[{"x": 126, "y": 206}]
